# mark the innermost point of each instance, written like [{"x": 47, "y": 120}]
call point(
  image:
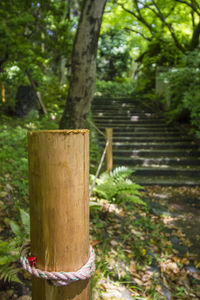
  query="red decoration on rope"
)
[{"x": 32, "y": 260}]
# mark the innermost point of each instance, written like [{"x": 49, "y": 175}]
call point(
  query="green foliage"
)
[
  {"x": 36, "y": 38},
  {"x": 13, "y": 158},
  {"x": 160, "y": 53},
  {"x": 114, "y": 88},
  {"x": 113, "y": 59},
  {"x": 117, "y": 187},
  {"x": 184, "y": 83},
  {"x": 10, "y": 249},
  {"x": 54, "y": 93},
  {"x": 13, "y": 155}
]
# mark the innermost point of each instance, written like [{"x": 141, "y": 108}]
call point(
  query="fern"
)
[
  {"x": 10, "y": 250},
  {"x": 9, "y": 273},
  {"x": 121, "y": 173},
  {"x": 130, "y": 198},
  {"x": 118, "y": 187}
]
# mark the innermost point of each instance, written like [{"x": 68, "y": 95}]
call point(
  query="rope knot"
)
[{"x": 58, "y": 278}]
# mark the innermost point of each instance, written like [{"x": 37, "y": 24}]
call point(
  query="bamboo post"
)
[
  {"x": 59, "y": 208},
  {"x": 109, "y": 155}
]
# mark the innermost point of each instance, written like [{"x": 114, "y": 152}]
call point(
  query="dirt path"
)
[{"x": 180, "y": 209}]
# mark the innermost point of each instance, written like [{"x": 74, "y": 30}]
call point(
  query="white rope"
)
[
  {"x": 62, "y": 278},
  {"x": 99, "y": 168},
  {"x": 101, "y": 132}
]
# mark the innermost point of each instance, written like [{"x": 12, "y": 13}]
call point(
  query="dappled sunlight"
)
[
  {"x": 138, "y": 250},
  {"x": 162, "y": 196},
  {"x": 135, "y": 118}
]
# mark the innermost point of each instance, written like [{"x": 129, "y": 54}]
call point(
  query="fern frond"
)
[
  {"x": 125, "y": 197},
  {"x": 9, "y": 273},
  {"x": 117, "y": 185},
  {"x": 104, "y": 177},
  {"x": 25, "y": 218},
  {"x": 121, "y": 173},
  {"x": 129, "y": 186},
  {"x": 106, "y": 190}
]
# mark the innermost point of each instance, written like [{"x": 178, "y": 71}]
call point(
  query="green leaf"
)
[
  {"x": 25, "y": 217},
  {"x": 15, "y": 228},
  {"x": 4, "y": 260}
]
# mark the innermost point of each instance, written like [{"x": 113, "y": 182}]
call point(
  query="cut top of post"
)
[{"x": 64, "y": 131}]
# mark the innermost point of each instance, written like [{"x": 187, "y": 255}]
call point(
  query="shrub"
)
[
  {"x": 184, "y": 82},
  {"x": 114, "y": 88}
]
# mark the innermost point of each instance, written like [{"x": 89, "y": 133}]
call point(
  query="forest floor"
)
[
  {"x": 142, "y": 252},
  {"x": 154, "y": 253},
  {"x": 148, "y": 252}
]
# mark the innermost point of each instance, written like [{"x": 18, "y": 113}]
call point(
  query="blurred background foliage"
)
[
  {"x": 137, "y": 39},
  {"x": 142, "y": 42}
]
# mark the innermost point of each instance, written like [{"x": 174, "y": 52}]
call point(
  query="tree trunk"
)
[
  {"x": 83, "y": 66},
  {"x": 195, "y": 38}
]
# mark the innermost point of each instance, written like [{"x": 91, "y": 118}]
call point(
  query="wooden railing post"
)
[
  {"x": 3, "y": 93},
  {"x": 59, "y": 208},
  {"x": 109, "y": 155}
]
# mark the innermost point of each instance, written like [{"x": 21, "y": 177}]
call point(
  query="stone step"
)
[
  {"x": 138, "y": 129},
  {"x": 161, "y": 154},
  {"x": 147, "y": 134},
  {"x": 130, "y": 121},
  {"x": 114, "y": 103},
  {"x": 148, "y": 139},
  {"x": 131, "y": 126},
  {"x": 152, "y": 145},
  {"x": 117, "y": 106},
  {"x": 156, "y": 153},
  {"x": 114, "y": 100},
  {"x": 168, "y": 171},
  {"x": 111, "y": 109},
  {"x": 166, "y": 181},
  {"x": 162, "y": 162},
  {"x": 123, "y": 116}
]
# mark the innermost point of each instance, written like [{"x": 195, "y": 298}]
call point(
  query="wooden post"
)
[
  {"x": 59, "y": 208},
  {"x": 3, "y": 93},
  {"x": 109, "y": 155}
]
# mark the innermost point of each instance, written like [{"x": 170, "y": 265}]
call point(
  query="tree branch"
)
[
  {"x": 190, "y": 5},
  {"x": 139, "y": 17},
  {"x": 160, "y": 15},
  {"x": 140, "y": 33}
]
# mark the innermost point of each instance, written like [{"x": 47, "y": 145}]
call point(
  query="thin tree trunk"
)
[
  {"x": 63, "y": 62},
  {"x": 43, "y": 107},
  {"x": 83, "y": 65}
]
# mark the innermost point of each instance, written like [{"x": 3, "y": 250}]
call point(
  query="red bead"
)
[{"x": 32, "y": 260}]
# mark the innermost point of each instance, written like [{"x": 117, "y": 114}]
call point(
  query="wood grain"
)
[{"x": 59, "y": 208}]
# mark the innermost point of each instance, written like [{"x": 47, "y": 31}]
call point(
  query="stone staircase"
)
[{"x": 160, "y": 154}]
